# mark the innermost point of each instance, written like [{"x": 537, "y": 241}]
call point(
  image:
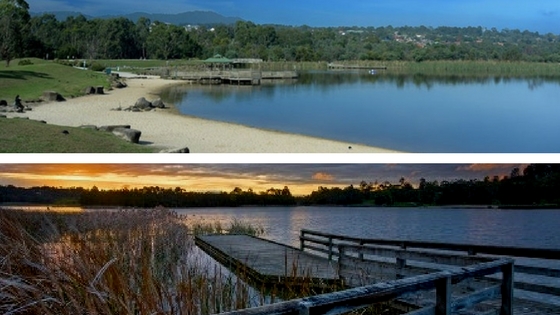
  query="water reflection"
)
[
  {"x": 411, "y": 113},
  {"x": 521, "y": 228}
]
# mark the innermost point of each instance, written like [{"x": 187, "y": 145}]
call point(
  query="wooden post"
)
[
  {"x": 361, "y": 252},
  {"x": 301, "y": 245},
  {"x": 330, "y": 248},
  {"x": 285, "y": 262},
  {"x": 401, "y": 264},
  {"x": 341, "y": 254},
  {"x": 443, "y": 296},
  {"x": 507, "y": 290}
]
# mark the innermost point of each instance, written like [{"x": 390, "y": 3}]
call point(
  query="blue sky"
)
[{"x": 542, "y": 16}]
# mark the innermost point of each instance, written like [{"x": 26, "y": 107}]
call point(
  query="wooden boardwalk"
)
[
  {"x": 233, "y": 77},
  {"x": 272, "y": 263},
  {"x": 268, "y": 262}
]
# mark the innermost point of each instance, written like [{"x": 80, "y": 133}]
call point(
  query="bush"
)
[
  {"x": 96, "y": 66},
  {"x": 25, "y": 62}
]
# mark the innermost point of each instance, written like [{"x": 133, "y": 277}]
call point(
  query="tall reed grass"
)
[
  {"x": 235, "y": 227},
  {"x": 124, "y": 262}
]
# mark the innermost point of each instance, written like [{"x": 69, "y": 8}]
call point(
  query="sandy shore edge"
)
[{"x": 166, "y": 129}]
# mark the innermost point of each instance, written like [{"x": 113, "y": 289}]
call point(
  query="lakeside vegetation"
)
[
  {"x": 29, "y": 78},
  {"x": 29, "y": 136},
  {"x": 536, "y": 186},
  {"x": 125, "y": 262},
  {"x": 119, "y": 38}
]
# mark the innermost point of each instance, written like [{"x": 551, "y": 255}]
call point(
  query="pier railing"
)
[
  {"x": 331, "y": 246},
  {"x": 357, "y": 298}
]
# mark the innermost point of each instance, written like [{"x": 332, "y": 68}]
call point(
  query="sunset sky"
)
[
  {"x": 300, "y": 178},
  {"x": 541, "y": 16}
]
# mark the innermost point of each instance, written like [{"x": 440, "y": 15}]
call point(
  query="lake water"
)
[
  {"x": 406, "y": 113},
  {"x": 520, "y": 228}
]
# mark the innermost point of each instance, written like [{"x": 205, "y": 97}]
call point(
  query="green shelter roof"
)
[{"x": 218, "y": 59}]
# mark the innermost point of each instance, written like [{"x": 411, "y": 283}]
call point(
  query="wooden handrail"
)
[
  {"x": 344, "y": 301},
  {"x": 468, "y": 248}
]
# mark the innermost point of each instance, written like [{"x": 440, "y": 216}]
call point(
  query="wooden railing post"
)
[
  {"x": 361, "y": 252},
  {"x": 301, "y": 241},
  {"x": 330, "y": 248},
  {"x": 443, "y": 296},
  {"x": 507, "y": 289},
  {"x": 401, "y": 264},
  {"x": 341, "y": 257}
]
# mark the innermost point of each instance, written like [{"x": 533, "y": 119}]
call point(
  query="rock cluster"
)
[
  {"x": 143, "y": 105},
  {"x": 52, "y": 96},
  {"x": 7, "y": 108},
  {"x": 122, "y": 131}
]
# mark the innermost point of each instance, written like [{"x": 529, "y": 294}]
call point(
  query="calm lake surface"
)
[
  {"x": 411, "y": 113},
  {"x": 521, "y": 228}
]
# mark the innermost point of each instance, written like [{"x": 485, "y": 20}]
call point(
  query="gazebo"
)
[{"x": 218, "y": 60}]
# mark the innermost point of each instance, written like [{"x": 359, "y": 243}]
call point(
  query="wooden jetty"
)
[
  {"x": 354, "y": 67},
  {"x": 268, "y": 262},
  {"x": 234, "y": 76},
  {"x": 415, "y": 277}
]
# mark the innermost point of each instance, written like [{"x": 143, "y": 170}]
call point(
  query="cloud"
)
[
  {"x": 486, "y": 167},
  {"x": 323, "y": 176},
  {"x": 549, "y": 13}
]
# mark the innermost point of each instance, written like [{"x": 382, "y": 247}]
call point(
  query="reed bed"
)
[
  {"x": 235, "y": 227},
  {"x": 122, "y": 262},
  {"x": 127, "y": 262}
]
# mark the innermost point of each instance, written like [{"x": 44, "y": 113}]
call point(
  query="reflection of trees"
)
[{"x": 327, "y": 80}]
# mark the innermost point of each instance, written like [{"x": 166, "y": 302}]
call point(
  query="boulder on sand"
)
[
  {"x": 177, "y": 150},
  {"x": 158, "y": 103},
  {"x": 52, "y": 96},
  {"x": 143, "y": 104},
  {"x": 110, "y": 128},
  {"x": 131, "y": 135}
]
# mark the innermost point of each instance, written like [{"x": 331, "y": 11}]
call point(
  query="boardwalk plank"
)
[{"x": 266, "y": 259}]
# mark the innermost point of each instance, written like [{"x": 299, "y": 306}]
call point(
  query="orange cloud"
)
[{"x": 323, "y": 176}]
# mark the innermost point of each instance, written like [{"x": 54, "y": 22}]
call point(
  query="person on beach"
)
[{"x": 19, "y": 106}]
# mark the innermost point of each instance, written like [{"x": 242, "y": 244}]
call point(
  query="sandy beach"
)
[{"x": 166, "y": 129}]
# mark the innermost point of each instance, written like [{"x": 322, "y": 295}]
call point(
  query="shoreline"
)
[{"x": 168, "y": 129}]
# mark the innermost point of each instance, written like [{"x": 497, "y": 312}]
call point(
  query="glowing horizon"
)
[{"x": 301, "y": 179}]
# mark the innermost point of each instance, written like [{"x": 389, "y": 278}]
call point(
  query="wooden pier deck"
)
[
  {"x": 476, "y": 284},
  {"x": 268, "y": 262},
  {"x": 233, "y": 77}
]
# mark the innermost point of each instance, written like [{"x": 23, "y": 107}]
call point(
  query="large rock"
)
[
  {"x": 118, "y": 84},
  {"x": 99, "y": 90},
  {"x": 131, "y": 135},
  {"x": 142, "y": 103},
  {"x": 52, "y": 96},
  {"x": 158, "y": 103},
  {"x": 89, "y": 90},
  {"x": 110, "y": 128},
  {"x": 178, "y": 150},
  {"x": 3, "y": 103}
]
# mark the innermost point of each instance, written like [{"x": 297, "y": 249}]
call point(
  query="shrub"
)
[
  {"x": 25, "y": 62},
  {"x": 96, "y": 66}
]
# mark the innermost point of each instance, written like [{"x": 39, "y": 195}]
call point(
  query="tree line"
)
[
  {"x": 535, "y": 186},
  {"x": 119, "y": 38}
]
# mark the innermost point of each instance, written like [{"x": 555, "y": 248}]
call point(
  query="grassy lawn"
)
[
  {"x": 30, "y": 81},
  {"x": 29, "y": 136}
]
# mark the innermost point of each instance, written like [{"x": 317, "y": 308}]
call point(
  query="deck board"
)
[
  {"x": 271, "y": 263},
  {"x": 267, "y": 259}
]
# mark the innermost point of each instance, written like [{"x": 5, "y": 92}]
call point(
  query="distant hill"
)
[{"x": 193, "y": 17}]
